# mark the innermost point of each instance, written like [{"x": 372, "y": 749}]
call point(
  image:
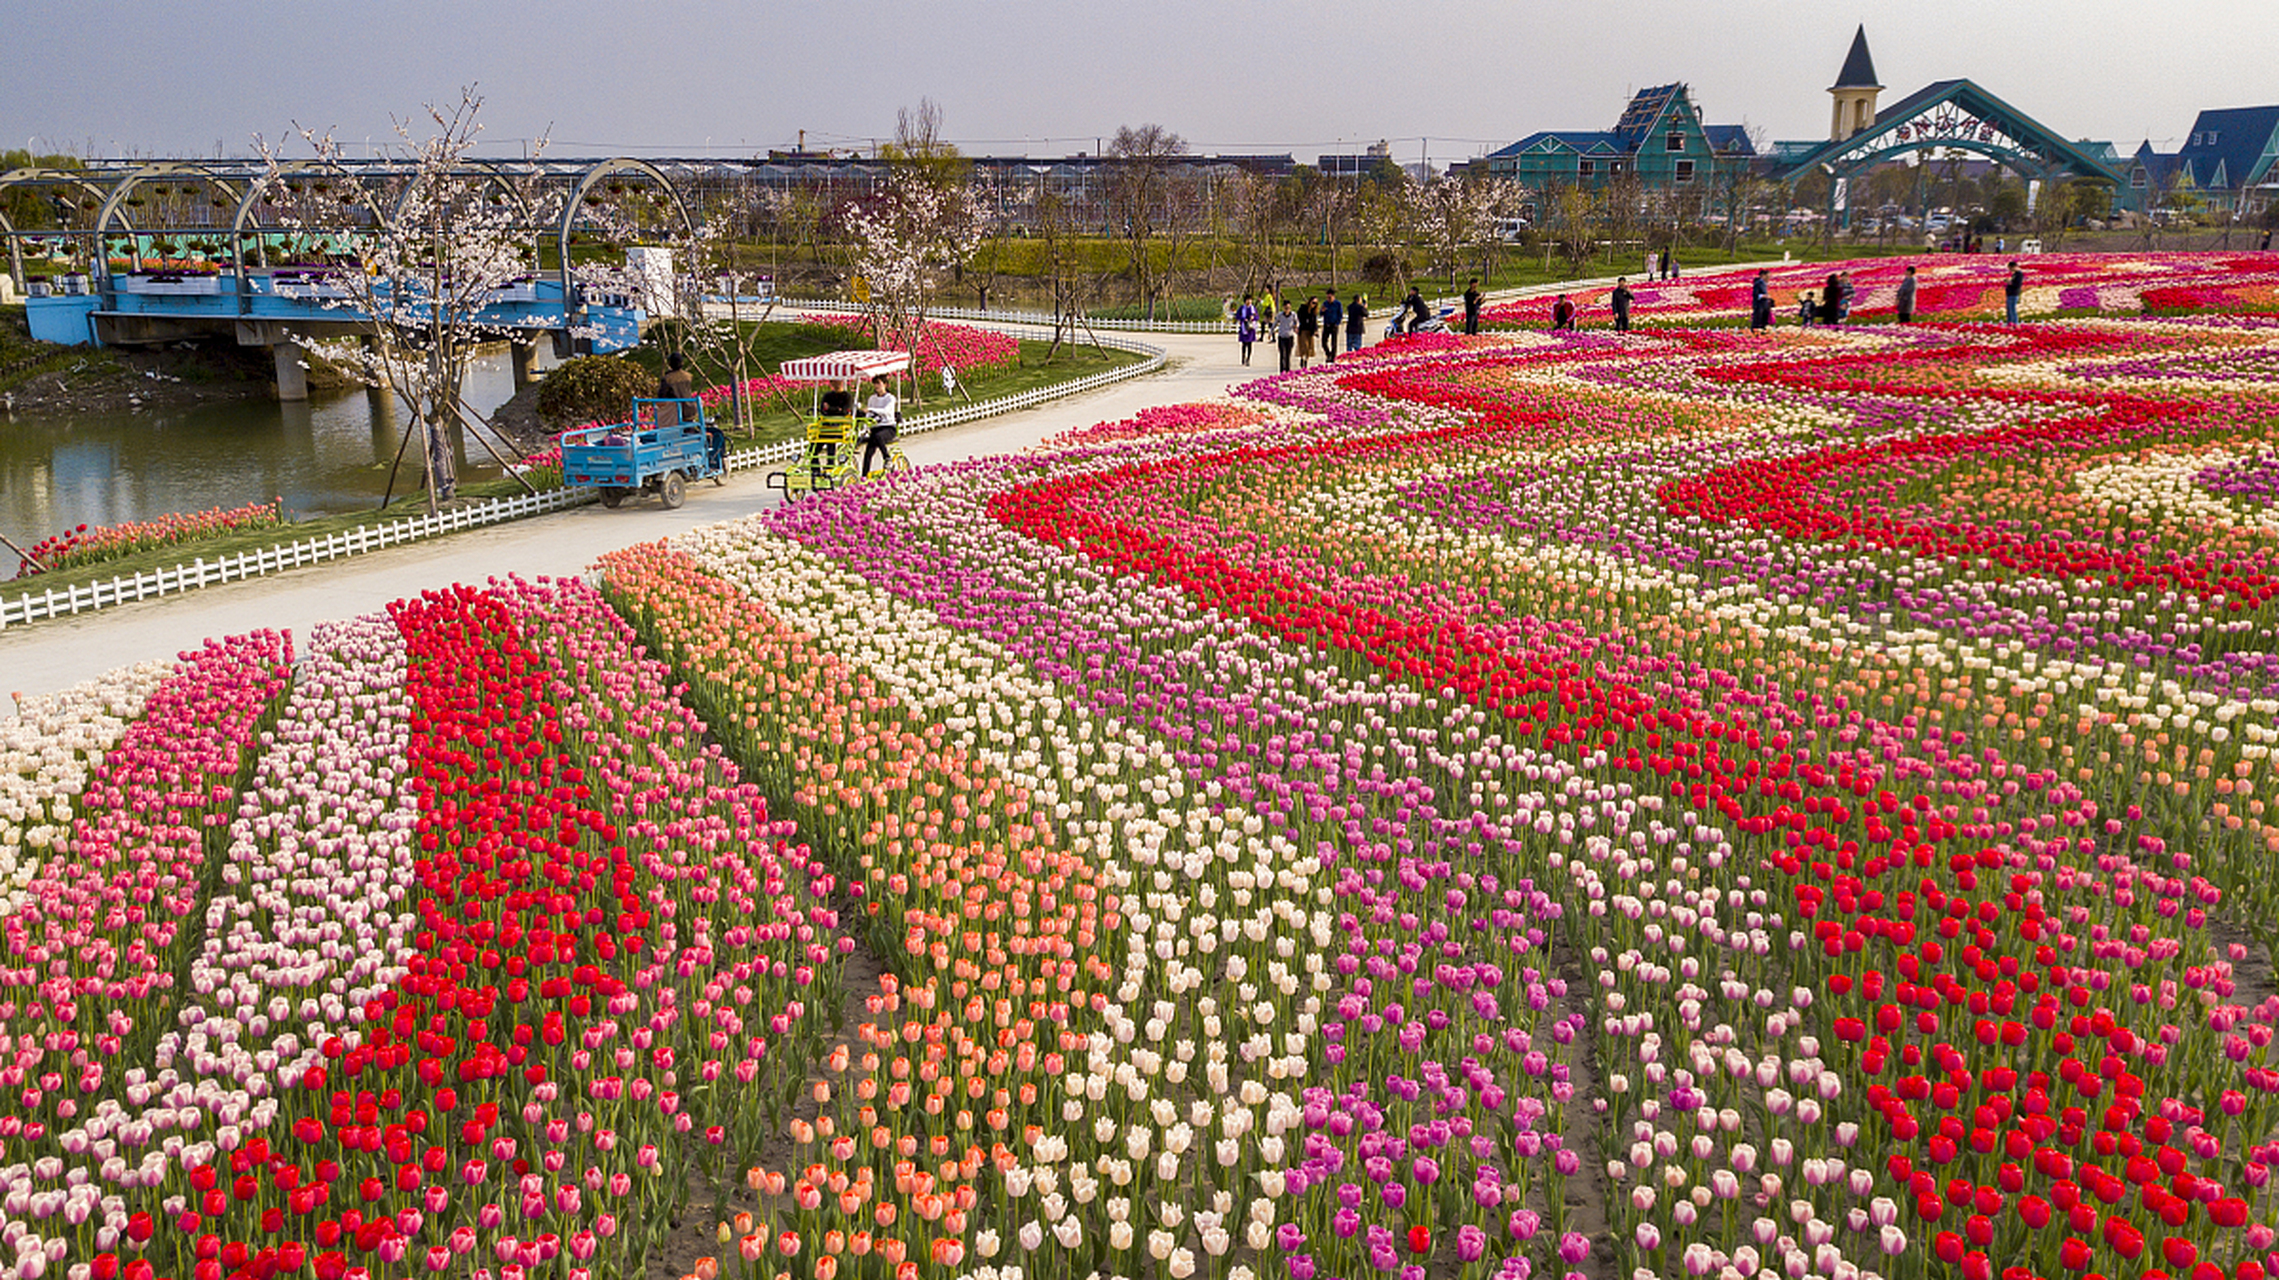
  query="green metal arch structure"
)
[{"x": 1954, "y": 115}]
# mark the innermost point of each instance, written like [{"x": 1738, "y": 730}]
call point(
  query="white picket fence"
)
[
  {"x": 33, "y": 606},
  {"x": 1039, "y": 319}
]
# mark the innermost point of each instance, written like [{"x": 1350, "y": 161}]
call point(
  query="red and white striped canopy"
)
[{"x": 841, "y": 366}]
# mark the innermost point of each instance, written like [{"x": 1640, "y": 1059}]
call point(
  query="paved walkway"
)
[{"x": 51, "y": 655}]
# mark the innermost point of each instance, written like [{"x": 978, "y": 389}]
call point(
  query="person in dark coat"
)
[
  {"x": 1622, "y": 304},
  {"x": 1472, "y": 306},
  {"x": 1356, "y": 320},
  {"x": 1760, "y": 301},
  {"x": 2011, "y": 289},
  {"x": 1333, "y": 315},
  {"x": 1246, "y": 325},
  {"x": 1906, "y": 300},
  {"x": 1419, "y": 311}
]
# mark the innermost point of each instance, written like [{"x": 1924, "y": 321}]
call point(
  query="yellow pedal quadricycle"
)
[{"x": 840, "y": 429}]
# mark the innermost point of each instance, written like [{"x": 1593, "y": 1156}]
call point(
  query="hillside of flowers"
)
[
  {"x": 1948, "y": 287},
  {"x": 1691, "y": 803}
]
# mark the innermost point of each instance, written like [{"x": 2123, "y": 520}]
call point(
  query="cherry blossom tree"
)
[
  {"x": 912, "y": 231},
  {"x": 429, "y": 248}
]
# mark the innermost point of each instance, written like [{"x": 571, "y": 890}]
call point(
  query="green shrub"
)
[
  {"x": 592, "y": 389},
  {"x": 1384, "y": 268}
]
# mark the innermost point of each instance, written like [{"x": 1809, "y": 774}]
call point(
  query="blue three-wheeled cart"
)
[{"x": 666, "y": 444}]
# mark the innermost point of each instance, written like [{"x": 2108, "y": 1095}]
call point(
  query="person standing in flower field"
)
[
  {"x": 1333, "y": 314},
  {"x": 1286, "y": 335},
  {"x": 1472, "y": 305},
  {"x": 1356, "y": 317},
  {"x": 1806, "y": 308},
  {"x": 1246, "y": 325},
  {"x": 1906, "y": 300},
  {"x": 1563, "y": 315},
  {"x": 1760, "y": 301},
  {"x": 2011, "y": 289},
  {"x": 1622, "y": 304}
]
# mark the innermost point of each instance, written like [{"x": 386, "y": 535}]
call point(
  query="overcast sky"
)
[{"x": 1445, "y": 78}]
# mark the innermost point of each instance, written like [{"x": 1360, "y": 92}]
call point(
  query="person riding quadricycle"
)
[{"x": 835, "y": 426}]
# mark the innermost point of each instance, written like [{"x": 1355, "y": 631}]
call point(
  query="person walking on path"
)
[
  {"x": 1472, "y": 306},
  {"x": 1622, "y": 304},
  {"x": 1356, "y": 320},
  {"x": 1333, "y": 314},
  {"x": 1562, "y": 315},
  {"x": 1309, "y": 324},
  {"x": 1906, "y": 300},
  {"x": 2011, "y": 289},
  {"x": 1286, "y": 335},
  {"x": 1760, "y": 301},
  {"x": 1266, "y": 308},
  {"x": 1246, "y": 325}
]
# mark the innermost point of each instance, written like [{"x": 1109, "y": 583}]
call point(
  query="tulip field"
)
[
  {"x": 1689, "y": 803},
  {"x": 1950, "y": 287}
]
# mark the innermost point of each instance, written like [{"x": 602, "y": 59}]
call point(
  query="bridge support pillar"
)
[
  {"x": 292, "y": 372},
  {"x": 525, "y": 356}
]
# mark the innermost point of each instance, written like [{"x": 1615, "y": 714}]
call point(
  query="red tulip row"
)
[{"x": 1848, "y": 844}]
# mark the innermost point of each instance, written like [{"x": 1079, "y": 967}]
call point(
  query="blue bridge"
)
[{"x": 280, "y": 308}]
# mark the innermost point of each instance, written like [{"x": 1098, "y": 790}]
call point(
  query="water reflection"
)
[{"x": 319, "y": 456}]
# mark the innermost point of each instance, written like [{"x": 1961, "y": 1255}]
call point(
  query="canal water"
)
[{"x": 322, "y": 456}]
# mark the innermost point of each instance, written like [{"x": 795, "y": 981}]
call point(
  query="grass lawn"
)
[{"x": 772, "y": 343}]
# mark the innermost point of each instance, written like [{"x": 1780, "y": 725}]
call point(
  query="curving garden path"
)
[{"x": 57, "y": 654}]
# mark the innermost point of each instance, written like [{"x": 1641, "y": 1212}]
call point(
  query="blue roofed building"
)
[
  {"x": 2230, "y": 160},
  {"x": 1660, "y": 139}
]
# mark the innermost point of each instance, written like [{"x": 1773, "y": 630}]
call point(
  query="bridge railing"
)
[{"x": 36, "y": 605}]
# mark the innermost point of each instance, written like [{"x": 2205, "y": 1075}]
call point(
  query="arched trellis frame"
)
[
  {"x": 575, "y": 201},
  {"x": 123, "y": 190},
  {"x": 66, "y": 178},
  {"x": 548, "y": 195}
]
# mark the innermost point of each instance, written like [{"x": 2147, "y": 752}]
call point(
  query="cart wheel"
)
[
  {"x": 674, "y": 489},
  {"x": 899, "y": 463},
  {"x": 610, "y": 497}
]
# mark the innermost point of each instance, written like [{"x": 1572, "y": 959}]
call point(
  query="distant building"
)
[
  {"x": 2230, "y": 160},
  {"x": 1660, "y": 138},
  {"x": 1355, "y": 166},
  {"x": 1855, "y": 91}
]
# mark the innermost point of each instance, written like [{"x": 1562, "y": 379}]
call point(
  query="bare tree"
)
[{"x": 1138, "y": 189}]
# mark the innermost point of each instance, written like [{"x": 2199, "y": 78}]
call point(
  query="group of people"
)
[{"x": 1297, "y": 330}]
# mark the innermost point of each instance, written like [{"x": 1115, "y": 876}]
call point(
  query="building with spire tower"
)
[{"x": 1855, "y": 91}]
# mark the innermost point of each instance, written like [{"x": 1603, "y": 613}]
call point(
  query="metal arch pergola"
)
[
  {"x": 65, "y": 178},
  {"x": 1952, "y": 115},
  {"x": 531, "y": 184}
]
